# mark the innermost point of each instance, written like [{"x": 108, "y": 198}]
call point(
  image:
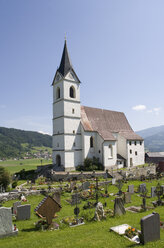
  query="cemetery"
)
[{"x": 88, "y": 212}]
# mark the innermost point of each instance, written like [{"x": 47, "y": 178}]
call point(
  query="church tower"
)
[{"x": 66, "y": 116}]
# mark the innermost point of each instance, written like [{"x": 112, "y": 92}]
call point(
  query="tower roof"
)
[{"x": 65, "y": 64}]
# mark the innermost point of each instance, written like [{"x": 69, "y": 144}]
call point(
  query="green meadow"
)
[
  {"x": 92, "y": 234},
  {"x": 28, "y": 164}
]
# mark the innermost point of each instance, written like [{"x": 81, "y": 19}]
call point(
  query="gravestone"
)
[
  {"x": 48, "y": 207},
  {"x": 86, "y": 185},
  {"x": 99, "y": 212},
  {"x": 6, "y": 227},
  {"x": 113, "y": 181},
  {"x": 127, "y": 197},
  {"x": 153, "y": 191},
  {"x": 23, "y": 212},
  {"x": 119, "y": 206},
  {"x": 56, "y": 197},
  {"x": 75, "y": 199},
  {"x": 131, "y": 189},
  {"x": 142, "y": 188},
  {"x": 150, "y": 228},
  {"x": 15, "y": 205}
]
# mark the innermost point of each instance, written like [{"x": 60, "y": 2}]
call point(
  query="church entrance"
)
[{"x": 58, "y": 160}]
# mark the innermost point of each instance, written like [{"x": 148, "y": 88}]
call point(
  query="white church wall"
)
[
  {"x": 72, "y": 125},
  {"x": 58, "y": 109},
  {"x": 72, "y": 109},
  {"x": 89, "y": 152},
  {"x": 72, "y": 159},
  {"x": 136, "y": 154},
  {"x": 99, "y": 148},
  {"x": 72, "y": 142},
  {"x": 109, "y": 154},
  {"x": 58, "y": 125},
  {"x": 58, "y": 142},
  {"x": 121, "y": 146}
]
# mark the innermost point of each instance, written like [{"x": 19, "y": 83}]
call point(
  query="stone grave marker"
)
[
  {"x": 142, "y": 187},
  {"x": 131, "y": 189},
  {"x": 119, "y": 185},
  {"x": 75, "y": 199},
  {"x": 23, "y": 212},
  {"x": 119, "y": 206},
  {"x": 86, "y": 185},
  {"x": 6, "y": 227},
  {"x": 113, "y": 181},
  {"x": 15, "y": 205},
  {"x": 153, "y": 191},
  {"x": 127, "y": 197},
  {"x": 150, "y": 228}
]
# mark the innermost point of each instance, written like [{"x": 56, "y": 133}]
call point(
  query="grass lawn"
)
[
  {"x": 92, "y": 234},
  {"x": 27, "y": 164}
]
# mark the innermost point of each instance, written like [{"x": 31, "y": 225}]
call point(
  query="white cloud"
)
[
  {"x": 139, "y": 107},
  {"x": 154, "y": 110},
  {"x": 43, "y": 132}
]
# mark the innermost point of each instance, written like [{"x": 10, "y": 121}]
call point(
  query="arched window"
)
[
  {"x": 72, "y": 92},
  {"x": 110, "y": 151},
  {"x": 91, "y": 141},
  {"x": 57, "y": 93},
  {"x": 58, "y": 160}
]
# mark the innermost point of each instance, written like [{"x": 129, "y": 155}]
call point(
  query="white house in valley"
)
[{"x": 80, "y": 132}]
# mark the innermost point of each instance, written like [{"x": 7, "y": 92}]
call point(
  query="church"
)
[{"x": 80, "y": 132}]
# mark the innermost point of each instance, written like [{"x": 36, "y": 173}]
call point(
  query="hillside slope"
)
[
  {"x": 15, "y": 142},
  {"x": 154, "y": 138}
]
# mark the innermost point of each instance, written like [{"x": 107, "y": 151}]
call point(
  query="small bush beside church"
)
[{"x": 90, "y": 164}]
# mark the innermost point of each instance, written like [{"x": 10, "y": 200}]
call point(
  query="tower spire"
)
[{"x": 65, "y": 64}]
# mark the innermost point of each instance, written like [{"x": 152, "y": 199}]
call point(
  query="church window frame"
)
[
  {"x": 72, "y": 92},
  {"x": 91, "y": 142}
]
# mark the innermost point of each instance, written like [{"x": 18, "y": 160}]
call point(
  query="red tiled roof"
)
[{"x": 106, "y": 122}]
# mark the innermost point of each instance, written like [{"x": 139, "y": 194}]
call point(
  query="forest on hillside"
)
[{"x": 15, "y": 142}]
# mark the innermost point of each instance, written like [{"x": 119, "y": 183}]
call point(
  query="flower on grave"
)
[{"x": 130, "y": 232}]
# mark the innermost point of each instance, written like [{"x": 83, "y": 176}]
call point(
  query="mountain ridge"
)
[{"x": 153, "y": 138}]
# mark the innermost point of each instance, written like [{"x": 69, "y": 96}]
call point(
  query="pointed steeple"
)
[{"x": 65, "y": 64}]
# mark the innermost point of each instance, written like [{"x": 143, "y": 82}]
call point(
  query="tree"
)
[{"x": 4, "y": 177}]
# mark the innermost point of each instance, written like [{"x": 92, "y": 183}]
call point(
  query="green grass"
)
[
  {"x": 92, "y": 234},
  {"x": 27, "y": 164}
]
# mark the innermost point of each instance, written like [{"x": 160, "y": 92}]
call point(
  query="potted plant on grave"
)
[{"x": 131, "y": 232}]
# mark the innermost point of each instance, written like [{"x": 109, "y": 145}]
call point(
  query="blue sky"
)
[{"x": 116, "y": 48}]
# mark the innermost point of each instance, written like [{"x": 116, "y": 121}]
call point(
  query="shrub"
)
[
  {"x": 4, "y": 177},
  {"x": 90, "y": 164}
]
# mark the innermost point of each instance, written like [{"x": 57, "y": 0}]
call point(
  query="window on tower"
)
[
  {"x": 57, "y": 93},
  {"x": 72, "y": 92}
]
